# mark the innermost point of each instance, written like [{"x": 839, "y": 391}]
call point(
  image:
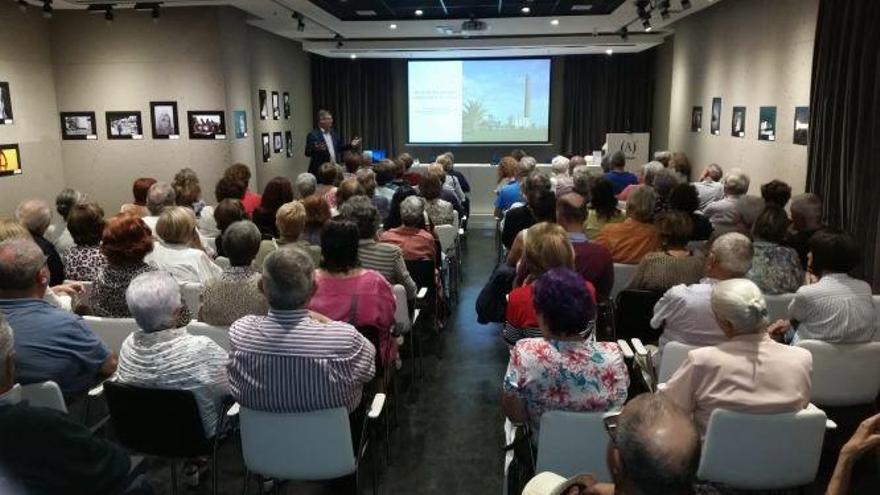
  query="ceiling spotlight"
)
[
  {"x": 419, "y": 12},
  {"x": 353, "y": 56},
  {"x": 642, "y": 9},
  {"x": 525, "y": 10},
  {"x": 685, "y": 4},
  {"x": 108, "y": 14},
  {"x": 554, "y": 22},
  {"x": 647, "y": 25},
  {"x": 609, "y": 52},
  {"x": 624, "y": 33},
  {"x": 663, "y": 5},
  {"x": 392, "y": 26},
  {"x": 155, "y": 13},
  {"x": 338, "y": 39},
  {"x": 47, "y": 9}
]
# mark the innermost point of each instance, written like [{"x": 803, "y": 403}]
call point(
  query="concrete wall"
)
[{"x": 750, "y": 53}]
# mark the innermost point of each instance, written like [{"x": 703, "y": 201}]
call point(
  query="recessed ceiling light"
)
[
  {"x": 554, "y": 22},
  {"x": 525, "y": 10},
  {"x": 353, "y": 56},
  {"x": 419, "y": 12},
  {"x": 393, "y": 26},
  {"x": 609, "y": 52},
  {"x": 581, "y": 7}
]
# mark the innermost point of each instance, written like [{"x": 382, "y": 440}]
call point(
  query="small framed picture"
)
[
  {"x": 10, "y": 160},
  {"x": 6, "y": 104},
  {"x": 124, "y": 125},
  {"x": 78, "y": 125},
  {"x": 288, "y": 140},
  {"x": 240, "y": 119},
  {"x": 267, "y": 151},
  {"x": 738, "y": 122},
  {"x": 264, "y": 105},
  {"x": 697, "y": 119},
  {"x": 163, "y": 115},
  {"x": 715, "y": 124},
  {"x": 206, "y": 124},
  {"x": 286, "y": 98},
  {"x": 277, "y": 142},
  {"x": 276, "y": 106},
  {"x": 767, "y": 124},
  {"x": 801, "y": 125}
]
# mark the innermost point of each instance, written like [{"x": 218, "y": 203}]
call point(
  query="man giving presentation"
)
[{"x": 324, "y": 144}]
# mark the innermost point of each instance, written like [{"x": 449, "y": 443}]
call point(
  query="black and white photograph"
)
[
  {"x": 264, "y": 105},
  {"x": 286, "y": 99},
  {"x": 276, "y": 105},
  {"x": 205, "y": 124},
  {"x": 738, "y": 122},
  {"x": 288, "y": 140},
  {"x": 163, "y": 115},
  {"x": 267, "y": 151},
  {"x": 801, "y": 125},
  {"x": 6, "y": 104},
  {"x": 78, "y": 125},
  {"x": 277, "y": 142},
  {"x": 767, "y": 124},
  {"x": 124, "y": 125},
  {"x": 715, "y": 124},
  {"x": 697, "y": 119}
]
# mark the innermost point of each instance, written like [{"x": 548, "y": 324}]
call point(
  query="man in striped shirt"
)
[{"x": 293, "y": 360}]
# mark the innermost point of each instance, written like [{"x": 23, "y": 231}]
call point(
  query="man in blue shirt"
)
[
  {"x": 50, "y": 344},
  {"x": 511, "y": 193},
  {"x": 619, "y": 177}
]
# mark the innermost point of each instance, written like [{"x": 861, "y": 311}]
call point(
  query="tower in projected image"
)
[{"x": 525, "y": 120}]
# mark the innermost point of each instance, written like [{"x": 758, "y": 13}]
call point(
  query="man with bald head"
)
[{"x": 591, "y": 260}]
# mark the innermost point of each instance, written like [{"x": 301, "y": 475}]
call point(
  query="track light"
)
[
  {"x": 339, "y": 41},
  {"x": 647, "y": 25},
  {"x": 624, "y": 33},
  {"x": 685, "y": 4},
  {"x": 108, "y": 15},
  {"x": 300, "y": 21},
  {"x": 47, "y": 9},
  {"x": 663, "y": 5},
  {"x": 642, "y": 9}
]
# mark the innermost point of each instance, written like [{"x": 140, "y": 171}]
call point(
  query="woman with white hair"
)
[
  {"x": 36, "y": 216},
  {"x": 413, "y": 237},
  {"x": 723, "y": 213},
  {"x": 561, "y": 181},
  {"x": 646, "y": 175},
  {"x": 173, "y": 251},
  {"x": 749, "y": 372}
]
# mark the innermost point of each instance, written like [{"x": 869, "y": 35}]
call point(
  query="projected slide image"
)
[{"x": 475, "y": 101}]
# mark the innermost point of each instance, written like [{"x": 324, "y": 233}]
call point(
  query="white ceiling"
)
[{"x": 505, "y": 37}]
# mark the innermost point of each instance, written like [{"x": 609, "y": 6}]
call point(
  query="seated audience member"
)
[
  {"x": 51, "y": 344},
  {"x": 561, "y": 370},
  {"x": 188, "y": 191},
  {"x": 591, "y": 260},
  {"x": 277, "y": 192},
  {"x": 506, "y": 174},
  {"x": 327, "y": 182},
  {"x": 462, "y": 180},
  {"x": 603, "y": 207},
  {"x": 305, "y": 185},
  {"x": 680, "y": 163},
  {"x": 58, "y": 234},
  {"x": 235, "y": 293},
  {"x": 684, "y": 312},
  {"x": 242, "y": 174},
  {"x": 346, "y": 292},
  {"x": 663, "y": 157},
  {"x": 125, "y": 243},
  {"x": 393, "y": 219},
  {"x": 292, "y": 360},
  {"x": 164, "y": 356},
  {"x": 84, "y": 261},
  {"x": 352, "y": 161},
  {"x": 776, "y": 269},
  {"x": 139, "y": 192},
  {"x": 226, "y": 213},
  {"x": 45, "y": 451},
  {"x": 160, "y": 196},
  {"x": 384, "y": 175},
  {"x": 382, "y": 257},
  {"x": 439, "y": 211},
  {"x": 618, "y": 176},
  {"x": 629, "y": 241},
  {"x": 654, "y": 449},
  {"x": 450, "y": 181},
  {"x": 646, "y": 176},
  {"x": 866, "y": 438},
  {"x": 35, "y": 215},
  {"x": 398, "y": 170},
  {"x": 806, "y": 220},
  {"x": 582, "y": 181},
  {"x": 348, "y": 189},
  {"x": 561, "y": 181},
  {"x": 446, "y": 192},
  {"x": 367, "y": 179},
  {"x": 546, "y": 247},
  {"x": 517, "y": 154},
  {"x": 173, "y": 253},
  {"x": 411, "y": 237},
  {"x": 684, "y": 198},
  {"x": 776, "y": 193},
  {"x": 510, "y": 171},
  {"x": 748, "y": 208},
  {"x": 746, "y": 372},
  {"x": 710, "y": 187},
  {"x": 723, "y": 213},
  {"x": 291, "y": 223},
  {"x": 412, "y": 178},
  {"x": 835, "y": 308},
  {"x": 539, "y": 201},
  {"x": 674, "y": 264},
  {"x": 226, "y": 189},
  {"x": 665, "y": 181},
  {"x": 317, "y": 214}
]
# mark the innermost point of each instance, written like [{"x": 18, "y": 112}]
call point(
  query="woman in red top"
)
[{"x": 241, "y": 173}]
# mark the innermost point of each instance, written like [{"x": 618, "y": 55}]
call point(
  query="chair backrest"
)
[
  {"x": 46, "y": 394},
  {"x": 402, "y": 320},
  {"x": 571, "y": 443},
  {"x": 674, "y": 353},
  {"x": 633, "y": 310},
  {"x": 623, "y": 275},
  {"x": 762, "y": 451},
  {"x": 422, "y": 273},
  {"x": 192, "y": 296},
  {"x": 297, "y": 446},
  {"x": 223, "y": 262},
  {"x": 844, "y": 374},
  {"x": 156, "y": 421},
  {"x": 446, "y": 234},
  {"x": 112, "y": 331},
  {"x": 86, "y": 295},
  {"x": 876, "y": 299},
  {"x": 220, "y": 335},
  {"x": 777, "y": 306}
]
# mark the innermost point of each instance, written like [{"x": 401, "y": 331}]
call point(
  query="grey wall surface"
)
[{"x": 750, "y": 53}]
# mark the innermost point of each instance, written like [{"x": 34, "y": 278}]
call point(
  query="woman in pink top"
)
[{"x": 348, "y": 293}]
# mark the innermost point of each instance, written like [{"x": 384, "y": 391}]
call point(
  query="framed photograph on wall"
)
[
  {"x": 276, "y": 106},
  {"x": 124, "y": 125},
  {"x": 715, "y": 123},
  {"x": 206, "y": 124},
  {"x": 697, "y": 119},
  {"x": 286, "y": 98},
  {"x": 738, "y": 122},
  {"x": 277, "y": 142},
  {"x": 767, "y": 124},
  {"x": 801, "y": 125},
  {"x": 288, "y": 140},
  {"x": 165, "y": 121},
  {"x": 78, "y": 125},
  {"x": 10, "y": 160},
  {"x": 264, "y": 105},
  {"x": 240, "y": 119},
  {"x": 6, "y": 104},
  {"x": 267, "y": 151}
]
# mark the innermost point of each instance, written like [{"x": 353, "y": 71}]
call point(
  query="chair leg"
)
[
  {"x": 174, "y": 477},
  {"x": 247, "y": 477}
]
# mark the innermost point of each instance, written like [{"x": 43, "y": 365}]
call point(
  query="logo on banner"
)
[{"x": 629, "y": 148}]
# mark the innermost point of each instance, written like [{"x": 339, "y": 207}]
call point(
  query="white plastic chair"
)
[
  {"x": 192, "y": 297},
  {"x": 448, "y": 237},
  {"x": 844, "y": 374},
  {"x": 46, "y": 394},
  {"x": 623, "y": 274},
  {"x": 112, "y": 331},
  {"x": 403, "y": 324},
  {"x": 876, "y": 300},
  {"x": 220, "y": 335},
  {"x": 674, "y": 353},
  {"x": 763, "y": 451},
  {"x": 571, "y": 443},
  {"x": 777, "y": 306}
]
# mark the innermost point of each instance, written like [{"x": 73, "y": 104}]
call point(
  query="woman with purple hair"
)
[{"x": 564, "y": 369}]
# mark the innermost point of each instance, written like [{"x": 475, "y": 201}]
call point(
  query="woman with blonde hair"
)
[{"x": 174, "y": 251}]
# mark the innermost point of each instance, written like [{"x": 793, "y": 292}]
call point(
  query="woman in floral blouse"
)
[
  {"x": 563, "y": 370},
  {"x": 776, "y": 269},
  {"x": 84, "y": 261}
]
